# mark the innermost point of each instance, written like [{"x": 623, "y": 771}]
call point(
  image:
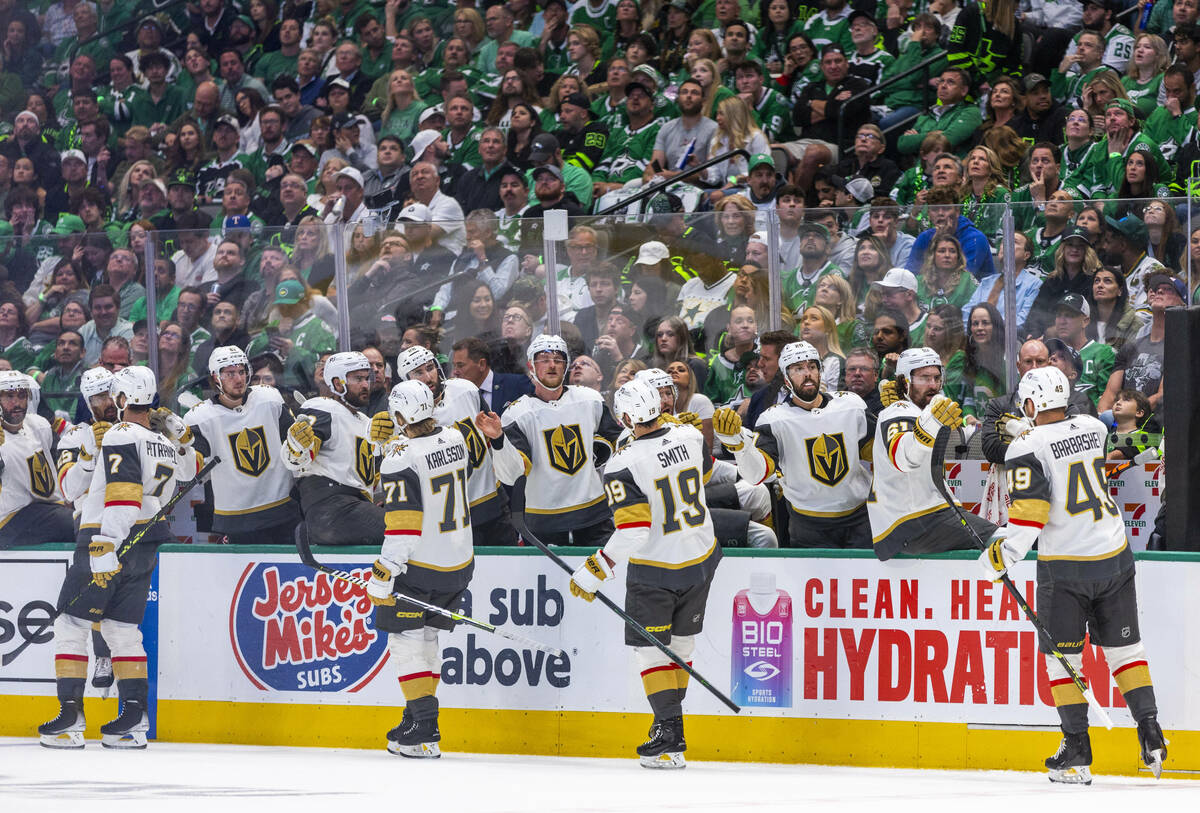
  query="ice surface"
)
[{"x": 170, "y": 777}]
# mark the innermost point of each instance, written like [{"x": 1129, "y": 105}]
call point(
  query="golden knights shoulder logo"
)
[
  {"x": 827, "y": 458},
  {"x": 364, "y": 460},
  {"x": 476, "y": 447},
  {"x": 564, "y": 447},
  {"x": 250, "y": 453},
  {"x": 41, "y": 477}
]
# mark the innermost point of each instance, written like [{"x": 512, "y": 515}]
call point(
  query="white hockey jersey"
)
[
  {"x": 73, "y": 478},
  {"x": 136, "y": 473},
  {"x": 553, "y": 444},
  {"x": 346, "y": 455},
  {"x": 818, "y": 452},
  {"x": 903, "y": 489},
  {"x": 427, "y": 513},
  {"x": 250, "y": 485},
  {"x": 458, "y": 408},
  {"x": 1060, "y": 500},
  {"x": 655, "y": 487},
  {"x": 27, "y": 473}
]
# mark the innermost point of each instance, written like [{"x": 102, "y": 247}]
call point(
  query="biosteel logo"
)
[{"x": 299, "y": 631}]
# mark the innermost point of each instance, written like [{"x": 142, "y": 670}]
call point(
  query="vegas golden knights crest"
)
[
  {"x": 250, "y": 455},
  {"x": 41, "y": 480},
  {"x": 564, "y": 446},
  {"x": 476, "y": 448},
  {"x": 364, "y": 460},
  {"x": 827, "y": 459}
]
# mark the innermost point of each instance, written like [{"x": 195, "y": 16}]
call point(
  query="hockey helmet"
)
[
  {"x": 96, "y": 381},
  {"x": 12, "y": 380},
  {"x": 547, "y": 343},
  {"x": 1047, "y": 387},
  {"x": 133, "y": 386},
  {"x": 914, "y": 359},
  {"x": 228, "y": 356},
  {"x": 410, "y": 402},
  {"x": 655, "y": 377},
  {"x": 411, "y": 359},
  {"x": 638, "y": 401},
  {"x": 340, "y": 365}
]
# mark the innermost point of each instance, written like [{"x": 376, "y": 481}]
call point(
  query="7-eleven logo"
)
[{"x": 1134, "y": 511}]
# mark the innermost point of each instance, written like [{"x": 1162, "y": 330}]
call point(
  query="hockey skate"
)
[
  {"x": 129, "y": 729},
  {"x": 1154, "y": 745},
  {"x": 102, "y": 676},
  {"x": 416, "y": 739},
  {"x": 1071, "y": 764},
  {"x": 65, "y": 730},
  {"x": 664, "y": 749}
]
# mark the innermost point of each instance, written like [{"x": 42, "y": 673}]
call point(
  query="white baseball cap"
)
[
  {"x": 897, "y": 278},
  {"x": 351, "y": 173},
  {"x": 416, "y": 213},
  {"x": 652, "y": 253},
  {"x": 421, "y": 142}
]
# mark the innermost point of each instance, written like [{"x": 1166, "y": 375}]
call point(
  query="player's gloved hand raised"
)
[
  {"x": 942, "y": 411},
  {"x": 102, "y": 552},
  {"x": 1011, "y": 426},
  {"x": 889, "y": 393},
  {"x": 166, "y": 422},
  {"x": 588, "y": 577},
  {"x": 727, "y": 427},
  {"x": 379, "y": 588},
  {"x": 692, "y": 419},
  {"x": 998, "y": 557},
  {"x": 301, "y": 440},
  {"x": 382, "y": 427}
]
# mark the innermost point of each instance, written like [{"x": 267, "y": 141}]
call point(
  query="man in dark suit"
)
[
  {"x": 472, "y": 361},
  {"x": 770, "y": 345}
]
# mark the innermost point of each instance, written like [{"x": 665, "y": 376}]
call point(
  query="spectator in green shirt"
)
[{"x": 952, "y": 115}]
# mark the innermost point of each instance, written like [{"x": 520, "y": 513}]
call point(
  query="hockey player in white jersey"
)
[
  {"x": 1085, "y": 569},
  {"x": 456, "y": 403},
  {"x": 77, "y": 451},
  {"x": 31, "y": 506},
  {"x": 908, "y": 513},
  {"x": 135, "y": 474},
  {"x": 747, "y": 509},
  {"x": 332, "y": 449},
  {"x": 246, "y": 427},
  {"x": 817, "y": 440},
  {"x": 428, "y": 554},
  {"x": 556, "y": 438},
  {"x": 655, "y": 487}
]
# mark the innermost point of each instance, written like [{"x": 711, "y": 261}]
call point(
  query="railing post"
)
[
  {"x": 337, "y": 240},
  {"x": 149, "y": 255},
  {"x": 1007, "y": 228},
  {"x": 554, "y": 228},
  {"x": 774, "y": 282}
]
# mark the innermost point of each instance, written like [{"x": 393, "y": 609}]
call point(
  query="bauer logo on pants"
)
[{"x": 294, "y": 630}]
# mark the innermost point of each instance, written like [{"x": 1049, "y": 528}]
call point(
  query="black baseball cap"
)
[{"x": 1061, "y": 348}]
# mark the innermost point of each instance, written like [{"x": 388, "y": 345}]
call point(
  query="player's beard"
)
[
  {"x": 355, "y": 400},
  {"x": 809, "y": 391},
  {"x": 109, "y": 414},
  {"x": 14, "y": 417}
]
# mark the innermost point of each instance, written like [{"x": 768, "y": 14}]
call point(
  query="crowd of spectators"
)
[{"x": 238, "y": 146}]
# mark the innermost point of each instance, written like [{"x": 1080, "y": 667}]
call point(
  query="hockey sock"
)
[
  {"x": 1068, "y": 699},
  {"x": 660, "y": 682},
  {"x": 1132, "y": 673},
  {"x": 133, "y": 688},
  {"x": 433, "y": 658},
  {"x": 423, "y": 708},
  {"x": 128, "y": 656},
  {"x": 70, "y": 656},
  {"x": 416, "y": 679},
  {"x": 684, "y": 646}
]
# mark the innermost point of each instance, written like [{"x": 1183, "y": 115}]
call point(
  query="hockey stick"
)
[
  {"x": 160, "y": 515},
  {"x": 302, "y": 547},
  {"x": 937, "y": 471},
  {"x": 518, "y": 519}
]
